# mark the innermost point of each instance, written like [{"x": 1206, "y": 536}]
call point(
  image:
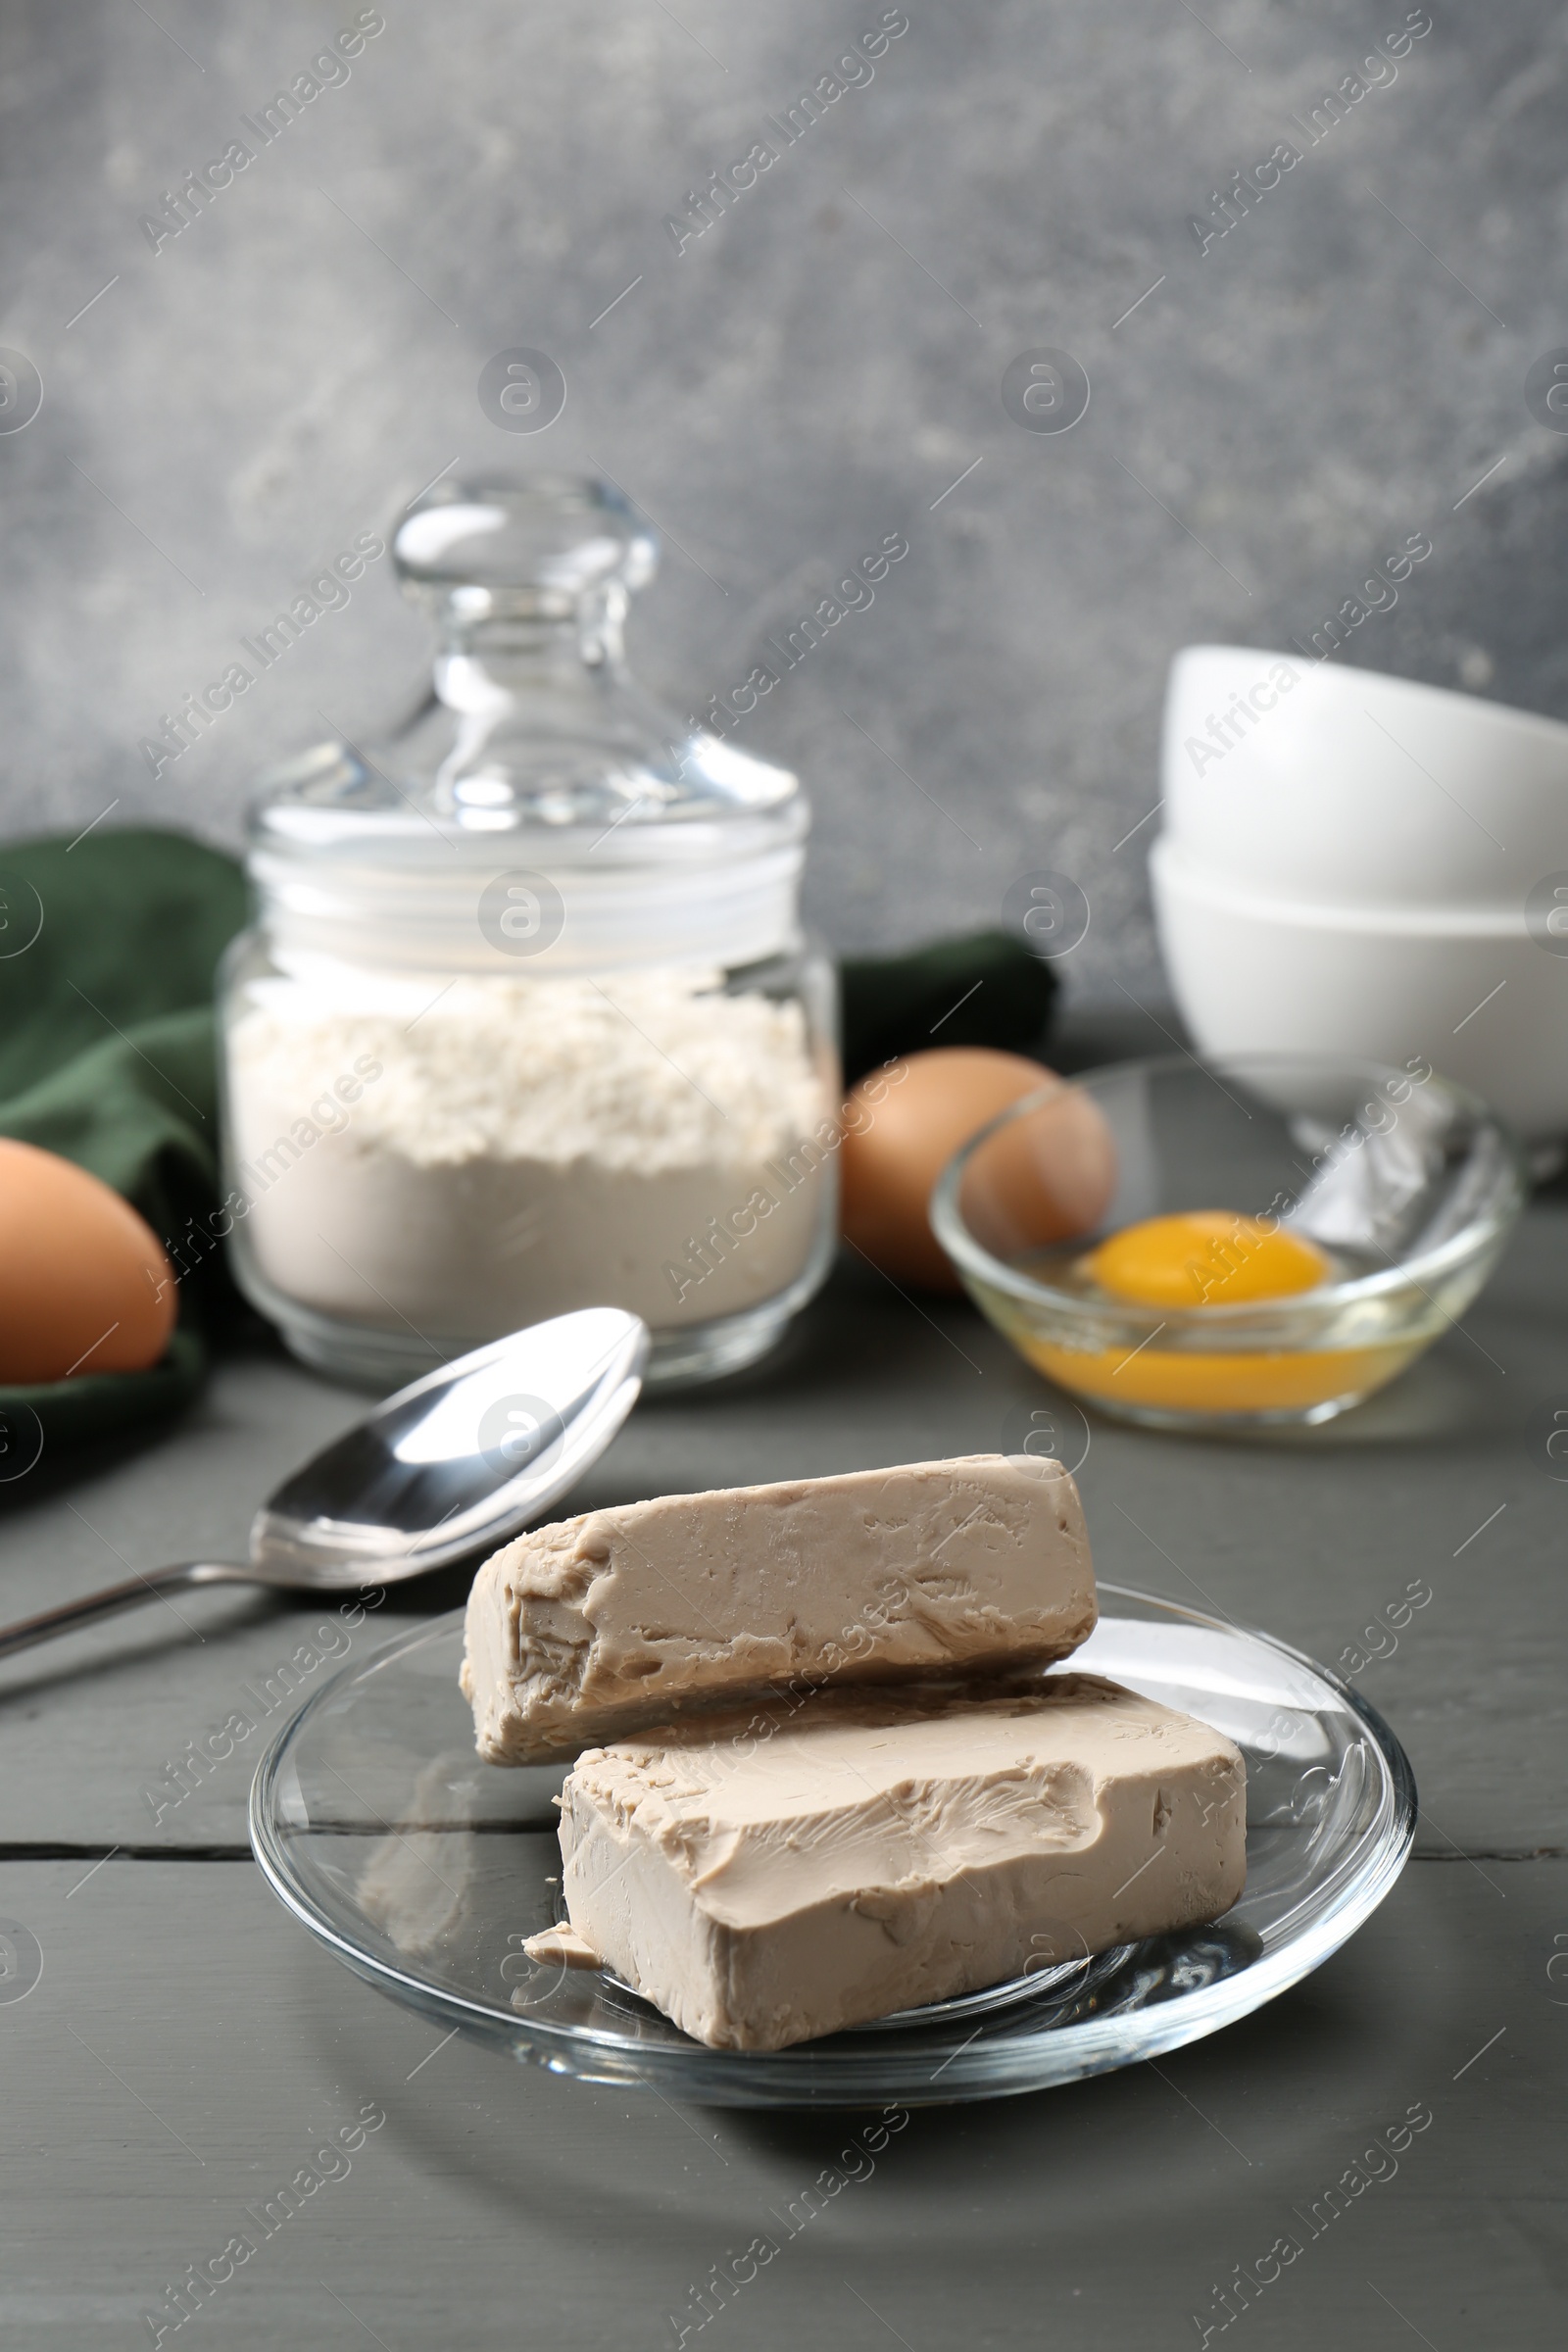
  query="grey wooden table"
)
[{"x": 186, "y": 2050}]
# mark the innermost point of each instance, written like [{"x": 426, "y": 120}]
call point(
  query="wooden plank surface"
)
[{"x": 188, "y": 2049}]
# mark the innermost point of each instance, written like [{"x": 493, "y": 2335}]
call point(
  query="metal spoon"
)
[{"x": 457, "y": 1463}]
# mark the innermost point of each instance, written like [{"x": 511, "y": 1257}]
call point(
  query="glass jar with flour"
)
[{"x": 527, "y": 1020}]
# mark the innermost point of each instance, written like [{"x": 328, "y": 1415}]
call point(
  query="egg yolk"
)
[{"x": 1205, "y": 1257}]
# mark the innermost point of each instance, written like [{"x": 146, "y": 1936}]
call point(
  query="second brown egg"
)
[{"x": 902, "y": 1125}]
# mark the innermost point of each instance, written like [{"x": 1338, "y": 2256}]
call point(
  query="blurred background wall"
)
[{"x": 821, "y": 368}]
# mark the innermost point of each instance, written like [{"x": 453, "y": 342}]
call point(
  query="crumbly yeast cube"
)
[
  {"x": 581, "y": 1630},
  {"x": 775, "y": 1875}
]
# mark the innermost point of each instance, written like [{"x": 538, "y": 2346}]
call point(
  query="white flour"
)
[{"x": 529, "y": 1145}]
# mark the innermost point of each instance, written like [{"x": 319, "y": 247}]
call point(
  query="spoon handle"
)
[{"x": 92, "y": 1605}]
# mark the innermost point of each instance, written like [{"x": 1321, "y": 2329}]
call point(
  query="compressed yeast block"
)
[
  {"x": 795, "y": 1871},
  {"x": 579, "y": 1631}
]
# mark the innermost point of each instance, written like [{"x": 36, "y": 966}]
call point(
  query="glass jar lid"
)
[{"x": 533, "y": 750}]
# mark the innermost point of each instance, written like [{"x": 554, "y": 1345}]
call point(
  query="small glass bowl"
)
[{"x": 1407, "y": 1183}]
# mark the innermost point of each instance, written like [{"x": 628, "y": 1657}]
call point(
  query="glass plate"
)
[{"x": 424, "y": 1870}]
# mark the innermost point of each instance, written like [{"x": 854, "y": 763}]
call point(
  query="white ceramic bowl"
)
[
  {"x": 1471, "y": 992},
  {"x": 1336, "y": 786}
]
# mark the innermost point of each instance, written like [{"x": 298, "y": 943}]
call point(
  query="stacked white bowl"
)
[{"x": 1352, "y": 864}]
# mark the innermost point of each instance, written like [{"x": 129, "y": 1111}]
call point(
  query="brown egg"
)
[
  {"x": 903, "y": 1123},
  {"x": 84, "y": 1284}
]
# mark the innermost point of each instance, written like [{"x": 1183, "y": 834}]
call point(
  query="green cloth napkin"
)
[
  {"x": 107, "y": 947},
  {"x": 987, "y": 990}
]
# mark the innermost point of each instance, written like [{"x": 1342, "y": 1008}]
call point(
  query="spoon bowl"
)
[{"x": 461, "y": 1460}]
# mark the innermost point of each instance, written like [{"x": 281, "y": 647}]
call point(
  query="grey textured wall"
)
[{"x": 810, "y": 374}]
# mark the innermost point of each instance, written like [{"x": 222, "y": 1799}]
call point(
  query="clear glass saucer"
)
[{"x": 425, "y": 1870}]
